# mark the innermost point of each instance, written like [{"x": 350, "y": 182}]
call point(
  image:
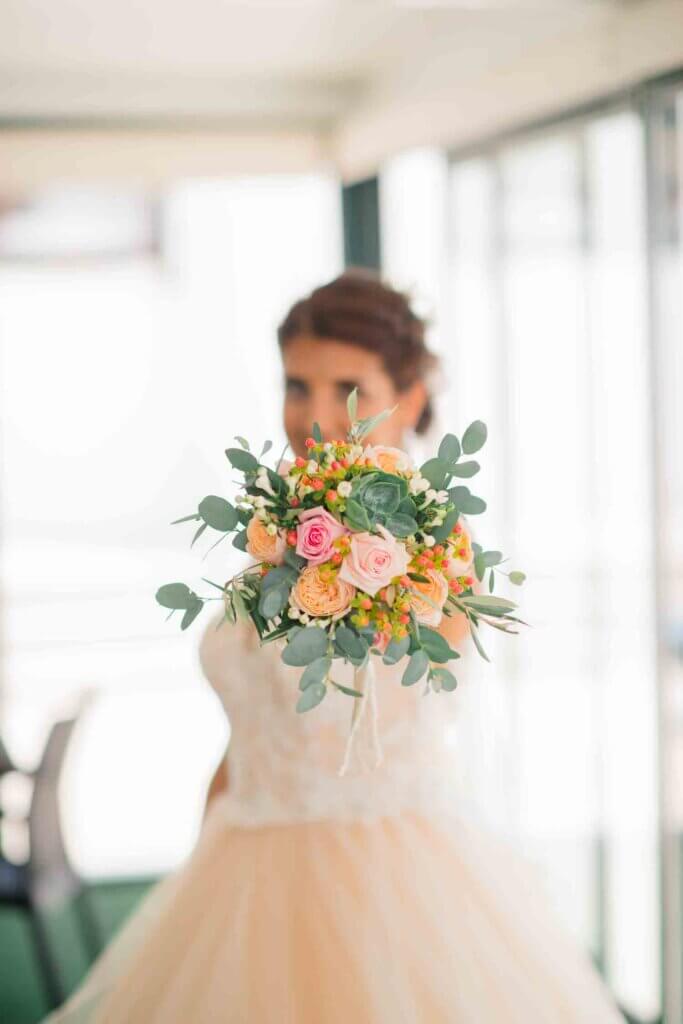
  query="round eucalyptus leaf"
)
[
  {"x": 436, "y": 645},
  {"x": 449, "y": 449},
  {"x": 191, "y": 614},
  {"x": 311, "y": 697},
  {"x": 218, "y": 513},
  {"x": 239, "y": 541},
  {"x": 176, "y": 595},
  {"x": 352, "y": 645},
  {"x": 307, "y": 645},
  {"x": 466, "y": 469},
  {"x": 315, "y": 672},
  {"x": 446, "y": 679},
  {"x": 242, "y": 460},
  {"x": 474, "y": 437},
  {"x": 273, "y": 600},
  {"x": 437, "y": 471},
  {"x": 517, "y": 577},
  {"x": 467, "y": 502},
  {"x": 492, "y": 558},
  {"x": 396, "y": 649},
  {"x": 416, "y": 668}
]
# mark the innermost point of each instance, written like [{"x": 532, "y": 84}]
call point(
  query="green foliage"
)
[
  {"x": 466, "y": 469},
  {"x": 350, "y": 644},
  {"x": 437, "y": 471},
  {"x": 311, "y": 696},
  {"x": 176, "y": 595},
  {"x": 416, "y": 668},
  {"x": 306, "y": 645},
  {"x": 239, "y": 541},
  {"x": 449, "y": 449},
  {"x": 436, "y": 646},
  {"x": 466, "y": 502},
  {"x": 317, "y": 433},
  {"x": 218, "y": 513},
  {"x": 474, "y": 437},
  {"x": 517, "y": 578},
  {"x": 396, "y": 649},
  {"x": 444, "y": 679},
  {"x": 440, "y": 533},
  {"x": 242, "y": 460},
  {"x": 315, "y": 672},
  {"x": 352, "y": 405}
]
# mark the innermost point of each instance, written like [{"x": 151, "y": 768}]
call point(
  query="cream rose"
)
[
  {"x": 436, "y": 591},
  {"x": 316, "y": 596},
  {"x": 373, "y": 561},
  {"x": 390, "y": 460},
  {"x": 264, "y": 546}
]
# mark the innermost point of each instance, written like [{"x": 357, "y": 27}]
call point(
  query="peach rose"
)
[
  {"x": 264, "y": 546},
  {"x": 436, "y": 590},
  {"x": 316, "y": 533},
  {"x": 319, "y": 597},
  {"x": 372, "y": 561},
  {"x": 461, "y": 555},
  {"x": 391, "y": 460}
]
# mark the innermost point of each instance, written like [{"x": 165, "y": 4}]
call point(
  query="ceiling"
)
[{"x": 307, "y": 63}]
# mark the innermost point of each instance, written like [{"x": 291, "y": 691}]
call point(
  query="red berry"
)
[
  {"x": 299, "y": 462},
  {"x": 291, "y": 538},
  {"x": 336, "y": 558},
  {"x": 294, "y": 502},
  {"x": 438, "y": 549},
  {"x": 366, "y": 604},
  {"x": 404, "y": 619},
  {"x": 309, "y": 442},
  {"x": 331, "y": 495},
  {"x": 317, "y": 484}
]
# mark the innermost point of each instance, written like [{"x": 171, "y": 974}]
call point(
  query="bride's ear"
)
[{"x": 411, "y": 403}]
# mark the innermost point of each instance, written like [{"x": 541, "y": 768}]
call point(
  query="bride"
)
[{"x": 315, "y": 898}]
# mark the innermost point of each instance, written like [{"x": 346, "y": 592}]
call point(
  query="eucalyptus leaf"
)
[
  {"x": 347, "y": 690},
  {"x": 366, "y": 426},
  {"x": 466, "y": 469},
  {"x": 449, "y": 449},
  {"x": 306, "y": 645},
  {"x": 218, "y": 513},
  {"x": 446, "y": 679},
  {"x": 467, "y": 502},
  {"x": 198, "y": 533},
  {"x": 239, "y": 541},
  {"x": 437, "y": 472},
  {"x": 487, "y": 604},
  {"x": 266, "y": 448},
  {"x": 186, "y": 519},
  {"x": 516, "y": 577},
  {"x": 311, "y": 697},
  {"x": 273, "y": 600},
  {"x": 350, "y": 643},
  {"x": 176, "y": 596},
  {"x": 297, "y": 562},
  {"x": 491, "y": 558},
  {"x": 436, "y": 645},
  {"x": 243, "y": 441},
  {"x": 396, "y": 649},
  {"x": 242, "y": 460},
  {"x": 191, "y": 614},
  {"x": 492, "y": 581},
  {"x": 316, "y": 672},
  {"x": 416, "y": 668},
  {"x": 474, "y": 437},
  {"x": 478, "y": 644},
  {"x": 317, "y": 433},
  {"x": 442, "y": 532}
]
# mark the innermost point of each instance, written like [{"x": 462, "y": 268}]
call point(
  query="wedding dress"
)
[{"x": 312, "y": 898}]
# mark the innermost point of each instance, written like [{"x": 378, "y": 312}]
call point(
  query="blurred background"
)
[{"x": 171, "y": 179}]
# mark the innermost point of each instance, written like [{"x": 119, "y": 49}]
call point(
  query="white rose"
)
[{"x": 428, "y": 540}]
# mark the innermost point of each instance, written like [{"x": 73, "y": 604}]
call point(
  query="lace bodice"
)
[{"x": 284, "y": 766}]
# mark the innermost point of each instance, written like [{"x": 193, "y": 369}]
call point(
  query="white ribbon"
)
[{"x": 363, "y": 745}]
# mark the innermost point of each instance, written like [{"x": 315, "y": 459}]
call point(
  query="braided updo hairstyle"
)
[{"x": 358, "y": 308}]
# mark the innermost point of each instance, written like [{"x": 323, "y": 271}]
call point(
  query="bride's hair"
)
[{"x": 358, "y": 308}]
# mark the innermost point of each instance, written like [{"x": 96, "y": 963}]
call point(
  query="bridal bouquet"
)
[{"x": 359, "y": 553}]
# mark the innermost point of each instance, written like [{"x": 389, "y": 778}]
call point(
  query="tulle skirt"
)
[{"x": 399, "y": 921}]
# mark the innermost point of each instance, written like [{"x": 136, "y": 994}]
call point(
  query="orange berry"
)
[
  {"x": 317, "y": 484},
  {"x": 336, "y": 558},
  {"x": 331, "y": 495},
  {"x": 366, "y": 604},
  {"x": 404, "y": 619}
]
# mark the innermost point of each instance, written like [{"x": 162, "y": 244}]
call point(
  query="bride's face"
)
[{"x": 320, "y": 373}]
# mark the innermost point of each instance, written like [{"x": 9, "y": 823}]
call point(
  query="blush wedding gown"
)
[{"x": 312, "y": 898}]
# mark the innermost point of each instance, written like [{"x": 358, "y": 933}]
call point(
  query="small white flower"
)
[
  {"x": 328, "y": 446},
  {"x": 441, "y": 497},
  {"x": 430, "y": 496},
  {"x": 344, "y": 488},
  {"x": 312, "y": 466},
  {"x": 294, "y": 612},
  {"x": 271, "y": 528},
  {"x": 261, "y": 514},
  {"x": 304, "y": 618},
  {"x": 439, "y": 518},
  {"x": 428, "y": 540},
  {"x": 424, "y": 484},
  {"x": 259, "y": 501}
]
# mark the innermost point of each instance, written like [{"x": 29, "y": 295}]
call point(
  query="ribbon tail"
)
[{"x": 363, "y": 743}]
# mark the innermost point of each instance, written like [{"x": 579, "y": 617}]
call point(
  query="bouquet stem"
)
[{"x": 363, "y": 746}]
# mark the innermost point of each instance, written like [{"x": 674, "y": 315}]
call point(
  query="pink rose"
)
[
  {"x": 373, "y": 561},
  {"x": 316, "y": 532}
]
